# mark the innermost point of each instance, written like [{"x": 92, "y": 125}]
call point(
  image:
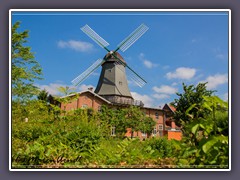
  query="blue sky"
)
[{"x": 189, "y": 47}]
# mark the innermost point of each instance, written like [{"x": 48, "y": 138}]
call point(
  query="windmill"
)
[{"x": 112, "y": 84}]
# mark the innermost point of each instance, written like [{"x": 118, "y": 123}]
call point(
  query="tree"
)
[
  {"x": 109, "y": 117},
  {"x": 137, "y": 121},
  {"x": 65, "y": 90},
  {"x": 207, "y": 140},
  {"x": 43, "y": 95},
  {"x": 204, "y": 121},
  {"x": 147, "y": 125},
  {"x": 191, "y": 96},
  {"x": 25, "y": 69}
]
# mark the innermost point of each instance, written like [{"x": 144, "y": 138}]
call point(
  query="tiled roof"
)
[
  {"x": 88, "y": 92},
  {"x": 172, "y": 108}
]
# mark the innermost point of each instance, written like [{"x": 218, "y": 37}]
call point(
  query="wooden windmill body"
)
[{"x": 112, "y": 84}]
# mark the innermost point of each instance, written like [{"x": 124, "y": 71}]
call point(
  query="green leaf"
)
[
  {"x": 190, "y": 108},
  {"x": 195, "y": 128},
  {"x": 207, "y": 106},
  {"x": 209, "y": 144}
]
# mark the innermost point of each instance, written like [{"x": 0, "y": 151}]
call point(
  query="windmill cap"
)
[{"x": 110, "y": 57}]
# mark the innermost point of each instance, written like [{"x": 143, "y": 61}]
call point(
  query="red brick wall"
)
[
  {"x": 84, "y": 99},
  {"x": 69, "y": 106},
  {"x": 151, "y": 113}
]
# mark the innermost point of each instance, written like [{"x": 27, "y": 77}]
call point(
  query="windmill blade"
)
[
  {"x": 132, "y": 74},
  {"x": 95, "y": 37},
  {"x": 133, "y": 37},
  {"x": 88, "y": 72}
]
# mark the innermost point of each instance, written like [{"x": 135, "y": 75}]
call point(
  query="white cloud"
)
[
  {"x": 141, "y": 56},
  {"x": 76, "y": 45},
  {"x": 220, "y": 54},
  {"x": 165, "y": 89},
  {"x": 182, "y": 73},
  {"x": 174, "y": 84},
  {"x": 85, "y": 87},
  {"x": 52, "y": 88},
  {"x": 216, "y": 80},
  {"x": 225, "y": 97},
  {"x": 161, "y": 96},
  {"x": 194, "y": 40},
  {"x": 146, "y": 62},
  {"x": 147, "y": 100},
  {"x": 166, "y": 67}
]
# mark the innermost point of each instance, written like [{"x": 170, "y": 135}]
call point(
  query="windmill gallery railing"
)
[{"x": 124, "y": 101}]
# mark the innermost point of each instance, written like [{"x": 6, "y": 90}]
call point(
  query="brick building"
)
[{"x": 165, "y": 125}]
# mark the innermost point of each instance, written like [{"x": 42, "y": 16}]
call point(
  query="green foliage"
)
[
  {"x": 147, "y": 124},
  {"x": 207, "y": 143},
  {"x": 162, "y": 147},
  {"x": 122, "y": 119},
  {"x": 25, "y": 69},
  {"x": 33, "y": 110},
  {"x": 81, "y": 138},
  {"x": 43, "y": 95},
  {"x": 54, "y": 143},
  {"x": 189, "y": 102}
]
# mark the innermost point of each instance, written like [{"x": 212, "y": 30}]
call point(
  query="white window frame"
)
[
  {"x": 160, "y": 129},
  {"x": 144, "y": 134},
  {"x": 84, "y": 106},
  {"x": 160, "y": 125},
  {"x": 154, "y": 132},
  {"x": 99, "y": 108},
  {"x": 113, "y": 131}
]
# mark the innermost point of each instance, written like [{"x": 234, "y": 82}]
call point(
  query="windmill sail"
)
[
  {"x": 95, "y": 37},
  {"x": 133, "y": 37},
  {"x": 88, "y": 72},
  {"x": 132, "y": 74}
]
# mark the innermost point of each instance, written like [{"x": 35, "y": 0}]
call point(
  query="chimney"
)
[{"x": 90, "y": 89}]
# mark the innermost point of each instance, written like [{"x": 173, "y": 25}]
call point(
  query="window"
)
[
  {"x": 160, "y": 129},
  {"x": 113, "y": 132},
  {"x": 99, "y": 108},
  {"x": 144, "y": 134},
  {"x": 109, "y": 70},
  {"x": 154, "y": 131},
  {"x": 156, "y": 115},
  {"x": 84, "y": 106},
  {"x": 120, "y": 83}
]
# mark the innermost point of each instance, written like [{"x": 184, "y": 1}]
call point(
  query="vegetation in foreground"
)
[{"x": 82, "y": 139}]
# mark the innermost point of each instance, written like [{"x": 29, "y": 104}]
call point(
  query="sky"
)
[{"x": 179, "y": 47}]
